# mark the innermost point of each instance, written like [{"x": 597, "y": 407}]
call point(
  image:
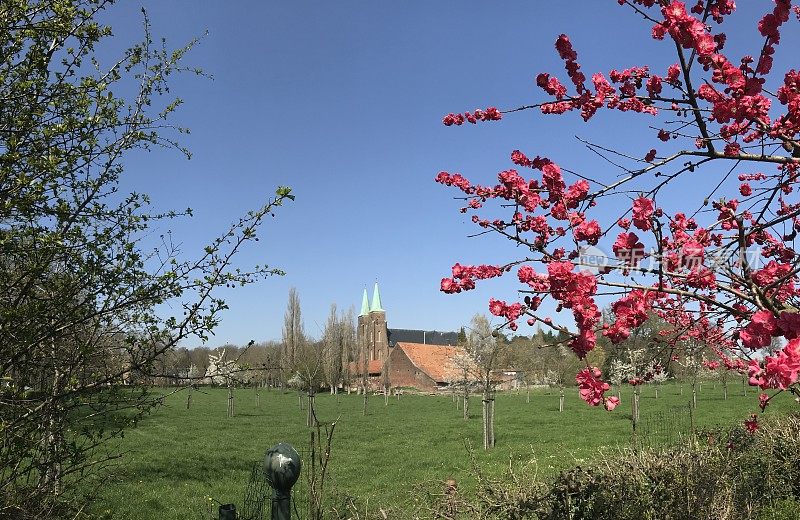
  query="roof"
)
[
  {"x": 374, "y": 367},
  {"x": 440, "y": 362},
  {"x": 364, "y": 304},
  {"x": 429, "y": 337},
  {"x": 376, "y": 300}
]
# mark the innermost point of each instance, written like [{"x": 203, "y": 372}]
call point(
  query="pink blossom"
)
[
  {"x": 628, "y": 248},
  {"x": 611, "y": 402},
  {"x": 789, "y": 323},
  {"x": 642, "y": 213},
  {"x": 589, "y": 231},
  {"x": 591, "y": 387},
  {"x": 758, "y": 333},
  {"x": 778, "y": 371}
]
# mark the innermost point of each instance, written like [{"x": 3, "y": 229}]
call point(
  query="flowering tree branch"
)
[{"x": 724, "y": 271}]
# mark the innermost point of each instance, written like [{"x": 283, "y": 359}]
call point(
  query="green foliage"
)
[
  {"x": 722, "y": 474},
  {"x": 79, "y": 284},
  {"x": 785, "y": 509}
]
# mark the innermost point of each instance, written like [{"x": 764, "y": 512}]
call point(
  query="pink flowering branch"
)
[{"x": 707, "y": 287}]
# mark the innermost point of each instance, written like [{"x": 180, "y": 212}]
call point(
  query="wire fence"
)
[
  {"x": 663, "y": 428},
  {"x": 257, "y": 499}
]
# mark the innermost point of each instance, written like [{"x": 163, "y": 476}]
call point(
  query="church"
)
[{"x": 405, "y": 358}]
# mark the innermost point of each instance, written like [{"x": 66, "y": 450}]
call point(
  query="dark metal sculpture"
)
[{"x": 282, "y": 469}]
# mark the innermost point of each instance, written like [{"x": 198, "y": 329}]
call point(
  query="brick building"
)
[
  {"x": 425, "y": 360},
  {"x": 428, "y": 367}
]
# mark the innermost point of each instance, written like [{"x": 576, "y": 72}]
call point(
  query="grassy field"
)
[{"x": 176, "y": 457}]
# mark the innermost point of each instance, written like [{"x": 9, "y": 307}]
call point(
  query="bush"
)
[
  {"x": 787, "y": 509},
  {"x": 724, "y": 474}
]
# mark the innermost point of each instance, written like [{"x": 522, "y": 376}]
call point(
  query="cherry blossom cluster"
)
[
  {"x": 592, "y": 388},
  {"x": 622, "y": 98},
  {"x": 630, "y": 311},
  {"x": 685, "y": 29},
  {"x": 575, "y": 291},
  {"x": 769, "y": 26},
  {"x": 718, "y": 9},
  {"x": 464, "y": 277},
  {"x": 509, "y": 311},
  {"x": 490, "y": 114},
  {"x": 764, "y": 326},
  {"x": 779, "y": 371}
]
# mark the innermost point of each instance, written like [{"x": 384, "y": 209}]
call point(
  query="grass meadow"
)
[{"x": 177, "y": 457}]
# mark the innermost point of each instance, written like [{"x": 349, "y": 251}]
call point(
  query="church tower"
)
[{"x": 372, "y": 330}]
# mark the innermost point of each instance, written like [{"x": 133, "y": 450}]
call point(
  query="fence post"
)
[
  {"x": 282, "y": 468},
  {"x": 227, "y": 512}
]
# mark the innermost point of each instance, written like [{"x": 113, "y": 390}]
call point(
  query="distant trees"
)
[
  {"x": 339, "y": 338},
  {"x": 485, "y": 351},
  {"x": 465, "y": 378},
  {"x": 293, "y": 336}
]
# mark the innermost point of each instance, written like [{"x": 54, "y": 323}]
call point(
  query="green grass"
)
[{"x": 177, "y": 457}]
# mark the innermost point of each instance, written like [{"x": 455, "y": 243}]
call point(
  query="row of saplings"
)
[{"x": 721, "y": 474}]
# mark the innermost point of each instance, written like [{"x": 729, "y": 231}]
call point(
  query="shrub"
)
[{"x": 724, "y": 474}]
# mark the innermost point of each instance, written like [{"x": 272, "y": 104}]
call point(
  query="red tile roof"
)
[
  {"x": 442, "y": 363},
  {"x": 374, "y": 367}
]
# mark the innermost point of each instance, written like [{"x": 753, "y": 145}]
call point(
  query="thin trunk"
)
[
  {"x": 465, "y": 398},
  {"x": 51, "y": 438},
  {"x": 485, "y": 419},
  {"x": 725, "y": 390},
  {"x": 230, "y": 401},
  {"x": 561, "y": 400},
  {"x": 385, "y": 396},
  {"x": 528, "y": 392},
  {"x": 694, "y": 395},
  {"x": 488, "y": 416},
  {"x": 310, "y": 416},
  {"x": 491, "y": 421}
]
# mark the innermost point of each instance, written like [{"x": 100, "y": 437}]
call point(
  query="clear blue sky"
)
[{"x": 343, "y": 102}]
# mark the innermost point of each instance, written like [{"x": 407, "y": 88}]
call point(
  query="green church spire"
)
[
  {"x": 376, "y": 300},
  {"x": 364, "y": 304}
]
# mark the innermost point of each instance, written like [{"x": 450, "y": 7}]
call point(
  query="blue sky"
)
[{"x": 343, "y": 102}]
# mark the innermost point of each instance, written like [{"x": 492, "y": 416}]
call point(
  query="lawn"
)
[{"x": 177, "y": 457}]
